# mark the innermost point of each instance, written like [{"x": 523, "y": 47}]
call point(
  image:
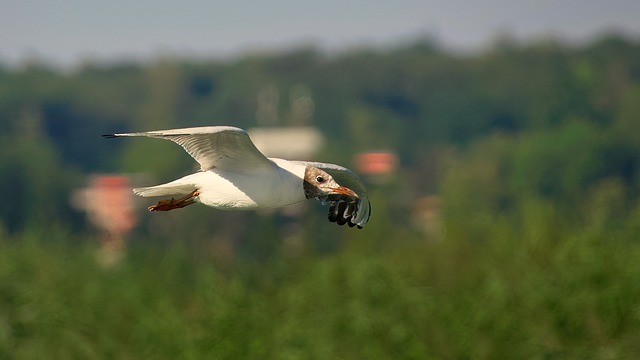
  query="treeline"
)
[{"x": 543, "y": 120}]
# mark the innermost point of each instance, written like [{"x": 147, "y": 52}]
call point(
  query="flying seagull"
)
[{"x": 235, "y": 175}]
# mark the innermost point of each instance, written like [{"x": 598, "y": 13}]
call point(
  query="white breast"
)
[{"x": 231, "y": 190}]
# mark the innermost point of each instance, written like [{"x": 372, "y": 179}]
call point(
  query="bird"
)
[{"x": 235, "y": 175}]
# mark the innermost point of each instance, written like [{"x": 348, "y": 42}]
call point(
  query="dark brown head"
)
[{"x": 319, "y": 184}]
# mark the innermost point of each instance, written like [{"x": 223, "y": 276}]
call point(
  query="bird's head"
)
[{"x": 319, "y": 184}]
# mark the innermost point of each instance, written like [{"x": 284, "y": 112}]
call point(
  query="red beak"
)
[{"x": 344, "y": 191}]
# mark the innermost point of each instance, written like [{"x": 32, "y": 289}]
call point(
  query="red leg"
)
[{"x": 171, "y": 204}]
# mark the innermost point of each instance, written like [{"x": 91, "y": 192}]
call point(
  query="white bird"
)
[{"x": 235, "y": 175}]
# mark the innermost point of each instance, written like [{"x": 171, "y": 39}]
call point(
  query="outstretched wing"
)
[
  {"x": 343, "y": 209},
  {"x": 224, "y": 147}
]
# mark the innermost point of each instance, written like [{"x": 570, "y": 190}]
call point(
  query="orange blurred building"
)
[
  {"x": 109, "y": 204},
  {"x": 376, "y": 163}
]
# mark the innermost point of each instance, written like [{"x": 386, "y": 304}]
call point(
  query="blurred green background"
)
[{"x": 528, "y": 153}]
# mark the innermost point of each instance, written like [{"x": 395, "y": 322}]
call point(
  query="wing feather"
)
[{"x": 224, "y": 147}]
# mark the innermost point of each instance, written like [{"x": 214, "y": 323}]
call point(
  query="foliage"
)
[{"x": 515, "y": 297}]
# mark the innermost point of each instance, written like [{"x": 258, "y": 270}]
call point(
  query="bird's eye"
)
[{"x": 319, "y": 179}]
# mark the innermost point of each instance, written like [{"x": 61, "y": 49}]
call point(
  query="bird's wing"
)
[
  {"x": 224, "y": 147},
  {"x": 346, "y": 209}
]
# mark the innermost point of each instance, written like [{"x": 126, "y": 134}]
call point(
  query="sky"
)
[{"x": 71, "y": 32}]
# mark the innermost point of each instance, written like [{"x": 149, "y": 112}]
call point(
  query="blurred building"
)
[
  {"x": 377, "y": 166},
  {"x": 109, "y": 204},
  {"x": 427, "y": 216},
  {"x": 293, "y": 143}
]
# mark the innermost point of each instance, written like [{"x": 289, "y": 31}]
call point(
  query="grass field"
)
[{"x": 506, "y": 298}]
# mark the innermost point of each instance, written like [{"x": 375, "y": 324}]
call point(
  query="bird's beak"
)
[{"x": 344, "y": 191}]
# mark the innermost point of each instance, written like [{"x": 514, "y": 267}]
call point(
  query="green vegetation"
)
[
  {"x": 512, "y": 296},
  {"x": 532, "y": 149}
]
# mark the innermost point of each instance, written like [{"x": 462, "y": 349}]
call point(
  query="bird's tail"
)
[{"x": 171, "y": 188}]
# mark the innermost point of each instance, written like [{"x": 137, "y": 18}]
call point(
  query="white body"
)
[{"x": 239, "y": 191}]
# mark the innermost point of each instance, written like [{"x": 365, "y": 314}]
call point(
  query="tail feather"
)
[{"x": 165, "y": 189}]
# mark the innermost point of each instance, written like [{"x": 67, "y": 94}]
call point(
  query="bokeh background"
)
[{"x": 499, "y": 142}]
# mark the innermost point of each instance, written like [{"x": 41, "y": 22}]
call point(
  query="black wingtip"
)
[
  {"x": 342, "y": 212},
  {"x": 109, "y": 136}
]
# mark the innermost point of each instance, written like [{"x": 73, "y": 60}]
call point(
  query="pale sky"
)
[{"x": 68, "y": 32}]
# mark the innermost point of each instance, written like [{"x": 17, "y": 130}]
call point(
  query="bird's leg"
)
[{"x": 171, "y": 204}]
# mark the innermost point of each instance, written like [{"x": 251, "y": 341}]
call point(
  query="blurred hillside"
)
[{"x": 511, "y": 227}]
